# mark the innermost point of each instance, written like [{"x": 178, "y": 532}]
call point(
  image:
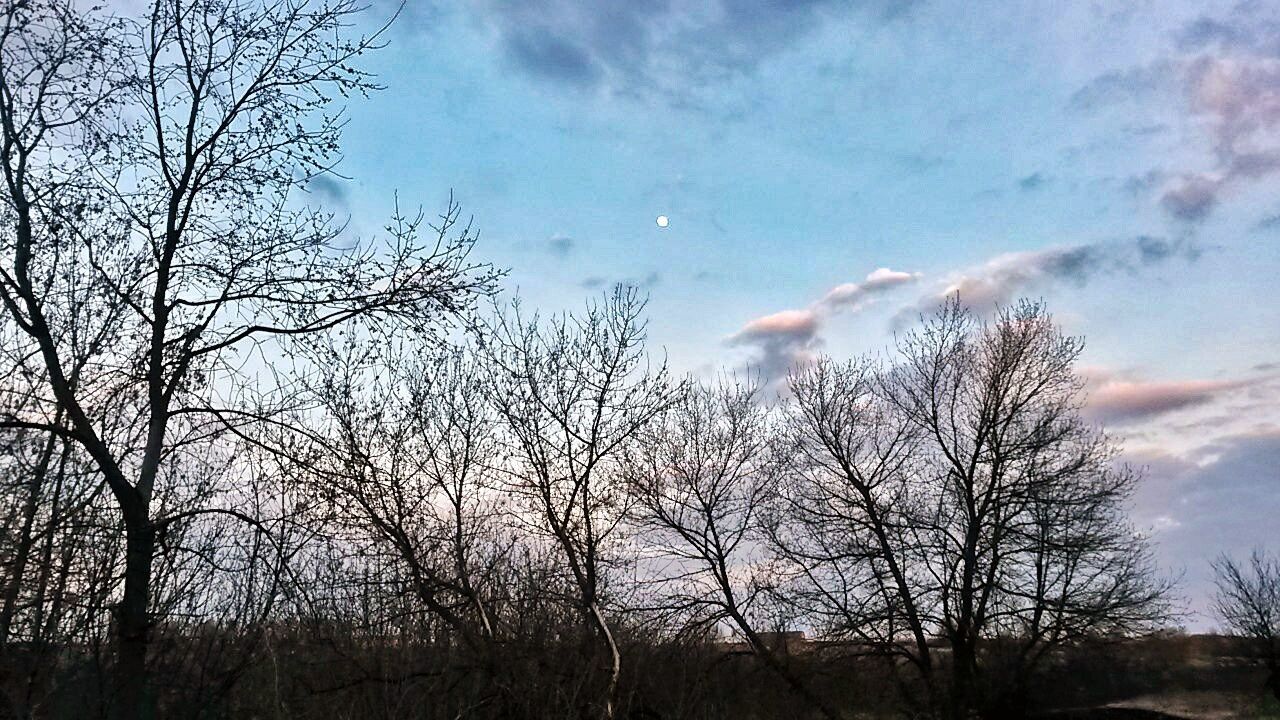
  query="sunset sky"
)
[{"x": 830, "y": 172}]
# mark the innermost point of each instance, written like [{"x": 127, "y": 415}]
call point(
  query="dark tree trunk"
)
[
  {"x": 962, "y": 680},
  {"x": 134, "y": 625}
]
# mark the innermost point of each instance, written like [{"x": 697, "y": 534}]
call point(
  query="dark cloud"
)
[
  {"x": 1239, "y": 97},
  {"x": 1148, "y": 129},
  {"x": 1248, "y": 27},
  {"x": 540, "y": 52},
  {"x": 1222, "y": 498},
  {"x": 1155, "y": 249},
  {"x": 1032, "y": 182},
  {"x": 1204, "y": 31},
  {"x": 1224, "y": 72},
  {"x": 1140, "y": 185},
  {"x": 643, "y": 47},
  {"x": 560, "y": 245},
  {"x": 1270, "y": 222},
  {"x": 1005, "y": 277},
  {"x": 328, "y": 188}
]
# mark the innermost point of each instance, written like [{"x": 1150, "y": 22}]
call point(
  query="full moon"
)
[{"x": 663, "y": 221}]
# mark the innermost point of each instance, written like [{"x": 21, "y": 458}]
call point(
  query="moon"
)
[{"x": 663, "y": 221}]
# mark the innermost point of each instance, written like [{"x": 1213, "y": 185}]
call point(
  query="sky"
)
[{"x": 831, "y": 169}]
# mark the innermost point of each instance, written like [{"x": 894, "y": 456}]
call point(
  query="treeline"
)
[{"x": 254, "y": 466}]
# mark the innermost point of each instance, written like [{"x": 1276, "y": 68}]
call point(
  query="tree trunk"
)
[
  {"x": 1273, "y": 677},
  {"x": 962, "y": 678},
  {"x": 615, "y": 659},
  {"x": 134, "y": 625},
  {"x": 25, "y": 540}
]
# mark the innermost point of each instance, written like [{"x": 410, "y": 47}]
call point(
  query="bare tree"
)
[
  {"x": 959, "y": 494},
  {"x": 1028, "y": 534},
  {"x": 1248, "y": 602},
  {"x": 849, "y": 516},
  {"x": 573, "y": 392},
  {"x": 406, "y": 464},
  {"x": 702, "y": 475},
  {"x": 158, "y": 256}
]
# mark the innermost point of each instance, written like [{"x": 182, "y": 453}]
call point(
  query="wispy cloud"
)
[
  {"x": 791, "y": 338},
  {"x": 1118, "y": 401},
  {"x": 1120, "y": 86},
  {"x": 648, "y": 281},
  {"x": 1031, "y": 182},
  {"x": 1225, "y": 72},
  {"x": 1002, "y": 278}
]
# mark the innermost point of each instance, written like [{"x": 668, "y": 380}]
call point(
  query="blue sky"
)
[{"x": 829, "y": 170}]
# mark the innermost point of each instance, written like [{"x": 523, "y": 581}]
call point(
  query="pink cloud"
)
[
  {"x": 1239, "y": 96},
  {"x": 854, "y": 295},
  {"x": 1125, "y": 401},
  {"x": 787, "y": 322},
  {"x": 790, "y": 338}
]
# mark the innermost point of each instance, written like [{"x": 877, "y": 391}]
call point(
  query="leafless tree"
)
[
  {"x": 1248, "y": 603},
  {"x": 701, "y": 476},
  {"x": 158, "y": 255},
  {"x": 406, "y": 467},
  {"x": 958, "y": 494},
  {"x": 57, "y": 562},
  {"x": 849, "y": 514},
  {"x": 572, "y": 393}
]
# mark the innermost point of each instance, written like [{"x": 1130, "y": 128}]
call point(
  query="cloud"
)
[
  {"x": 540, "y": 52},
  {"x": 646, "y": 282},
  {"x": 1240, "y": 99},
  {"x": 1001, "y": 279},
  {"x": 791, "y": 338},
  {"x": 1204, "y": 31},
  {"x": 1224, "y": 75},
  {"x": 783, "y": 340},
  {"x": 1120, "y": 86},
  {"x": 560, "y": 245},
  {"x": 1226, "y": 71},
  {"x": 1192, "y": 198},
  {"x": 1034, "y": 181},
  {"x": 1245, "y": 28},
  {"x": 852, "y": 296},
  {"x": 648, "y": 47},
  {"x": 328, "y": 189},
  {"x": 1118, "y": 402},
  {"x": 1269, "y": 222},
  {"x": 1221, "y": 497}
]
